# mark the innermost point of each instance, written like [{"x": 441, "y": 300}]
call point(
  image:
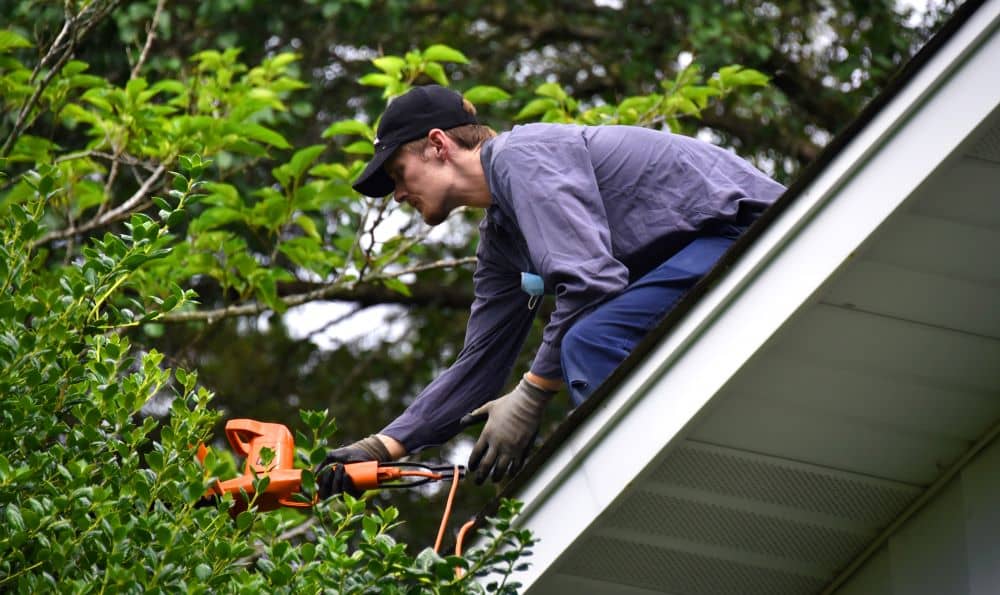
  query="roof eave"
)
[{"x": 870, "y": 171}]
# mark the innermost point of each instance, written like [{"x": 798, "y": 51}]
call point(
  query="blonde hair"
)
[{"x": 466, "y": 136}]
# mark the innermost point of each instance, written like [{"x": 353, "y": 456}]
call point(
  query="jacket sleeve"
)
[
  {"x": 498, "y": 325},
  {"x": 559, "y": 209}
]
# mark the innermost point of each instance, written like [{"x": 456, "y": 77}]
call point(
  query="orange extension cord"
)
[
  {"x": 444, "y": 522},
  {"x": 447, "y": 507}
]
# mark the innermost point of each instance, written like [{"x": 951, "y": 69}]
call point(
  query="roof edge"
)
[{"x": 906, "y": 74}]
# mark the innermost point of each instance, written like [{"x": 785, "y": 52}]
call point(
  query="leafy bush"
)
[{"x": 97, "y": 497}]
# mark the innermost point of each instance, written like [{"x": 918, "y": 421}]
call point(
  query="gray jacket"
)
[{"x": 589, "y": 209}]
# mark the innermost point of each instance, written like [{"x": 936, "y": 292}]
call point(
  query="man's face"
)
[{"x": 423, "y": 182}]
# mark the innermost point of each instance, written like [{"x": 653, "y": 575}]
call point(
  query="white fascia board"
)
[{"x": 865, "y": 183}]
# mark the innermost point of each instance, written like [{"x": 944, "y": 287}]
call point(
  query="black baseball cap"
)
[{"x": 409, "y": 117}]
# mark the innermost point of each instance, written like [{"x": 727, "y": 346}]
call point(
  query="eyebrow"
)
[
  {"x": 390, "y": 164},
  {"x": 392, "y": 168}
]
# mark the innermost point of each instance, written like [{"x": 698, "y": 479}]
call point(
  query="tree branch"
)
[
  {"x": 150, "y": 36},
  {"x": 365, "y": 296},
  {"x": 111, "y": 216},
  {"x": 325, "y": 292},
  {"x": 807, "y": 92},
  {"x": 745, "y": 130},
  {"x": 29, "y": 104},
  {"x": 332, "y": 323},
  {"x": 60, "y": 51}
]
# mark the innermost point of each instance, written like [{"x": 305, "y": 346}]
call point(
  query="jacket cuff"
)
[{"x": 546, "y": 363}]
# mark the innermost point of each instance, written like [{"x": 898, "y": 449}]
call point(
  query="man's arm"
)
[
  {"x": 497, "y": 327},
  {"x": 498, "y": 324}
]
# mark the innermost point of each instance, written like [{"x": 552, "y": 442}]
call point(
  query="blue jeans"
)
[{"x": 601, "y": 340}]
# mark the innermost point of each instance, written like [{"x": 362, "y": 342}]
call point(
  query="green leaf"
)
[
  {"x": 552, "y": 90},
  {"x": 244, "y": 520},
  {"x": 377, "y": 80},
  {"x": 639, "y": 103},
  {"x": 349, "y": 127},
  {"x": 88, "y": 193},
  {"x": 134, "y": 87},
  {"x": 738, "y": 76},
  {"x": 267, "y": 290},
  {"x": 748, "y": 77},
  {"x": 554, "y": 115},
  {"x": 283, "y": 174},
  {"x": 170, "y": 85},
  {"x": 392, "y": 65},
  {"x": 483, "y": 94},
  {"x": 223, "y": 195},
  {"x": 14, "y": 518},
  {"x": 262, "y": 134},
  {"x": 214, "y": 217},
  {"x": 176, "y": 218},
  {"x": 86, "y": 81},
  {"x": 536, "y": 107},
  {"x": 203, "y": 571},
  {"x": 436, "y": 72},
  {"x": 330, "y": 170},
  {"x": 369, "y": 527},
  {"x": 427, "y": 558},
  {"x": 307, "y": 253},
  {"x": 270, "y": 212},
  {"x": 442, "y": 53},
  {"x": 282, "y": 60},
  {"x": 303, "y": 159},
  {"x": 700, "y": 94},
  {"x": 361, "y": 147},
  {"x": 10, "y": 40},
  {"x": 397, "y": 286},
  {"x": 308, "y": 226},
  {"x": 72, "y": 67}
]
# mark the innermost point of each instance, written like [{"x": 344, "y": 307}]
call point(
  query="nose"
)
[{"x": 399, "y": 193}]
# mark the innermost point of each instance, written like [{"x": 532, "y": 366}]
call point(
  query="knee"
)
[
  {"x": 587, "y": 358},
  {"x": 576, "y": 344},
  {"x": 573, "y": 358}
]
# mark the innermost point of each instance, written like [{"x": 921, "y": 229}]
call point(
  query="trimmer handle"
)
[
  {"x": 249, "y": 438},
  {"x": 371, "y": 475}
]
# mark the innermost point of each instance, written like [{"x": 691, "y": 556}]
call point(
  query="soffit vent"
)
[
  {"x": 671, "y": 571},
  {"x": 780, "y": 482},
  {"x": 673, "y": 517},
  {"x": 988, "y": 146}
]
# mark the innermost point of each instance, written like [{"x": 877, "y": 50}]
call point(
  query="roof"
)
[{"x": 821, "y": 384}]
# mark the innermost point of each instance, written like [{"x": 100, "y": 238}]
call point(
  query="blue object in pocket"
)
[{"x": 532, "y": 285}]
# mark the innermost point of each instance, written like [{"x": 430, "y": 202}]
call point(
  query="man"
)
[{"x": 617, "y": 222}]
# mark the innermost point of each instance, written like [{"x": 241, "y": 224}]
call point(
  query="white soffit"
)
[{"x": 908, "y": 140}]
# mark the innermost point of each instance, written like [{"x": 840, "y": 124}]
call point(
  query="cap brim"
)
[{"x": 373, "y": 181}]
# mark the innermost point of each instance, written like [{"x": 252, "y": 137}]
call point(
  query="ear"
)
[{"x": 439, "y": 143}]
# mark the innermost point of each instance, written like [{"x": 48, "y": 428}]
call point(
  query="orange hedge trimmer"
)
[{"x": 284, "y": 487}]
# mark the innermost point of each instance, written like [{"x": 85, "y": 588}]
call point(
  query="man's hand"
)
[
  {"x": 511, "y": 426},
  {"x": 330, "y": 476}
]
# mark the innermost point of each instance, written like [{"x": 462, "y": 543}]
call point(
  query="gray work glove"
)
[
  {"x": 511, "y": 426},
  {"x": 330, "y": 476}
]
